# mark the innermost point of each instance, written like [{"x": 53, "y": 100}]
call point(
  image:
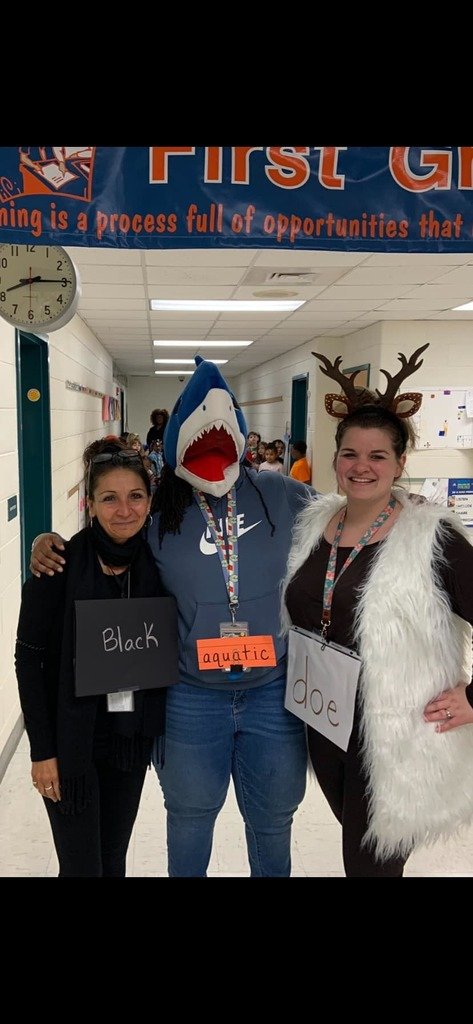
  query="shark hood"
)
[{"x": 205, "y": 437}]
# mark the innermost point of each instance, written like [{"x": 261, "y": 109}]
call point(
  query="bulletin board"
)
[
  {"x": 442, "y": 420},
  {"x": 455, "y": 493}
]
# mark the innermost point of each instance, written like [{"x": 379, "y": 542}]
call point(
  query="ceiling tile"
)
[{"x": 349, "y": 292}]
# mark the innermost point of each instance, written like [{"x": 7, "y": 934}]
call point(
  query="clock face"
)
[{"x": 39, "y": 286}]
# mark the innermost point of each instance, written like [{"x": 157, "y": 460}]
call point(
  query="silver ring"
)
[
  {"x": 448, "y": 713},
  {"x": 50, "y": 787}
]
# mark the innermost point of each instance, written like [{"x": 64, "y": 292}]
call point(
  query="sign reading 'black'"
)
[{"x": 125, "y": 645}]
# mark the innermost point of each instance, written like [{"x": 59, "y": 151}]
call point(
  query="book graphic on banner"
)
[{"x": 54, "y": 176}]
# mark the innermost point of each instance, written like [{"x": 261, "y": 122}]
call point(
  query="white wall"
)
[
  {"x": 147, "y": 393},
  {"x": 273, "y": 379},
  {"x": 76, "y": 419},
  {"x": 448, "y": 362}
]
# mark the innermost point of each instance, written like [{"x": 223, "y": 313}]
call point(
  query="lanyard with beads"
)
[
  {"x": 227, "y": 552},
  {"x": 330, "y": 579}
]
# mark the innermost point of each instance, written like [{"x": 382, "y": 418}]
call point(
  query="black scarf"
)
[
  {"x": 133, "y": 732},
  {"x": 110, "y": 552}
]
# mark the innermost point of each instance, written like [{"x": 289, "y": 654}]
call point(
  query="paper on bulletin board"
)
[
  {"x": 435, "y": 489},
  {"x": 442, "y": 420},
  {"x": 460, "y": 499}
]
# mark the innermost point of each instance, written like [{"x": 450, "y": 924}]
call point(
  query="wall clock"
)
[{"x": 39, "y": 286}]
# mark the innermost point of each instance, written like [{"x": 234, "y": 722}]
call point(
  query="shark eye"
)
[{"x": 203, "y": 408}]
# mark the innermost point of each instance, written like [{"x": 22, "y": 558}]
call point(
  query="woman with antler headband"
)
[{"x": 390, "y": 579}]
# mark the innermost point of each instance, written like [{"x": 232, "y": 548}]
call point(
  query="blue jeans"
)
[{"x": 213, "y": 735}]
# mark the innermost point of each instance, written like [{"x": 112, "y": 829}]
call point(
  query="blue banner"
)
[{"x": 365, "y": 198}]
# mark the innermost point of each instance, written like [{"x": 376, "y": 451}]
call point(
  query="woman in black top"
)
[
  {"x": 390, "y": 579},
  {"x": 159, "y": 418},
  {"x": 87, "y": 763}
]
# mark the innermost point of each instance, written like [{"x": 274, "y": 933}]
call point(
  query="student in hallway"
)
[
  {"x": 280, "y": 449},
  {"x": 159, "y": 418},
  {"x": 300, "y": 469},
  {"x": 271, "y": 461}
]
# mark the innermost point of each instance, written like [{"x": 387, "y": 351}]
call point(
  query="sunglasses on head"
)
[
  {"x": 120, "y": 458},
  {"x": 127, "y": 455}
]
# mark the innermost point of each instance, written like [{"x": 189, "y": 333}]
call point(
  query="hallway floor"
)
[{"x": 26, "y": 848}]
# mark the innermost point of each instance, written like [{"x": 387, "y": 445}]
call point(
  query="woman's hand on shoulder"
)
[
  {"x": 450, "y": 709},
  {"x": 45, "y": 777},
  {"x": 43, "y": 558}
]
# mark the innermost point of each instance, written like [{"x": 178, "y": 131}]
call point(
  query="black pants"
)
[
  {"x": 94, "y": 844},
  {"x": 343, "y": 783}
]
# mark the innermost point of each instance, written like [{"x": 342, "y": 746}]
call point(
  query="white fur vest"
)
[{"x": 412, "y": 647}]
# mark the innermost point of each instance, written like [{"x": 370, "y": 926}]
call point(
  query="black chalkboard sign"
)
[{"x": 125, "y": 645}]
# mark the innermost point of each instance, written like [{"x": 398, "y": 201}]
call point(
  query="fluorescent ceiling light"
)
[
  {"x": 201, "y": 344},
  {"x": 467, "y": 305},
  {"x": 174, "y": 373},
  {"x": 224, "y": 305},
  {"x": 189, "y": 362}
]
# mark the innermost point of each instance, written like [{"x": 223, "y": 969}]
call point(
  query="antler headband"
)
[{"x": 354, "y": 397}]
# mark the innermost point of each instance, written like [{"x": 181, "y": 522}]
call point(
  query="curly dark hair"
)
[{"x": 159, "y": 412}]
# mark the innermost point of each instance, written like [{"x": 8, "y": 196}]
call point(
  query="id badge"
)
[
  {"x": 123, "y": 700},
  {"x": 229, "y": 629},
  {"x": 234, "y": 629}
]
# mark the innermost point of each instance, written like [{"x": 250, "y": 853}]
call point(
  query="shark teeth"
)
[{"x": 215, "y": 425}]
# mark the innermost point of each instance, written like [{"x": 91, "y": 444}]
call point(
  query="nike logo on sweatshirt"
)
[{"x": 207, "y": 546}]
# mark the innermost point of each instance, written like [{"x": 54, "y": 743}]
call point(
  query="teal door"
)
[
  {"x": 299, "y": 408},
  {"x": 34, "y": 441}
]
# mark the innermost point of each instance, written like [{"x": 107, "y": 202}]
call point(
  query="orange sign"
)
[
  {"x": 33, "y": 394},
  {"x": 236, "y": 651}
]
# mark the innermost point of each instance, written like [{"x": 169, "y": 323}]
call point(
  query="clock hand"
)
[
  {"x": 23, "y": 281},
  {"x": 52, "y": 280}
]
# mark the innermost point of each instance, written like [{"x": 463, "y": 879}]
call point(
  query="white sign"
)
[{"x": 321, "y": 684}]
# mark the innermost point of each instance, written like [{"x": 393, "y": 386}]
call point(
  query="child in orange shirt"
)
[{"x": 300, "y": 469}]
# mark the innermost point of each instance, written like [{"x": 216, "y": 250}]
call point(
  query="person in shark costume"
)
[{"x": 212, "y": 515}]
